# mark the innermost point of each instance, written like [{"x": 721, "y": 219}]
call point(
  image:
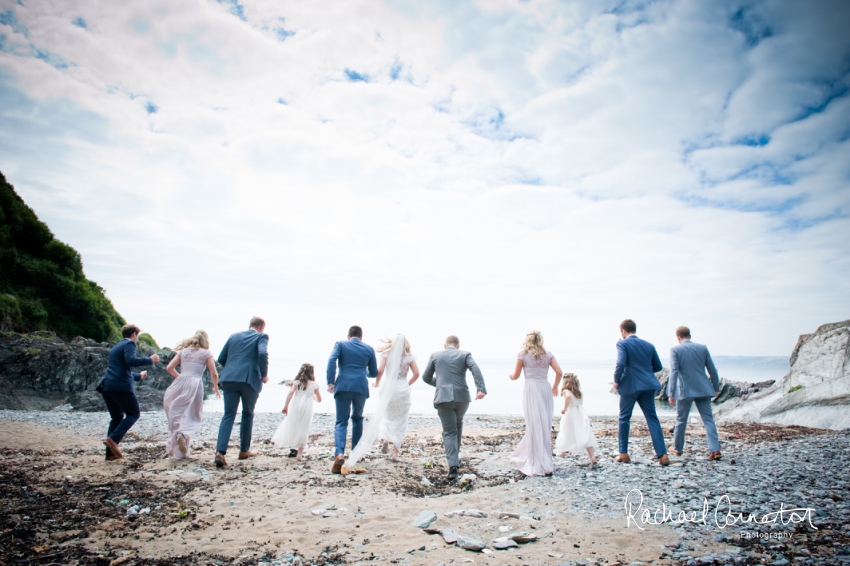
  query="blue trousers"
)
[
  {"x": 646, "y": 400},
  {"x": 123, "y": 407},
  {"x": 234, "y": 392},
  {"x": 683, "y": 408},
  {"x": 348, "y": 404}
]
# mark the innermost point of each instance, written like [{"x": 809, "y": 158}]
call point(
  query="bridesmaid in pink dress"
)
[
  {"x": 533, "y": 456},
  {"x": 184, "y": 398}
]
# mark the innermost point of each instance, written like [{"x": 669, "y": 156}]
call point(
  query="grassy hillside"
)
[{"x": 42, "y": 284}]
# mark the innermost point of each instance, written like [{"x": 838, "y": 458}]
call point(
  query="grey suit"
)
[
  {"x": 689, "y": 385},
  {"x": 446, "y": 370}
]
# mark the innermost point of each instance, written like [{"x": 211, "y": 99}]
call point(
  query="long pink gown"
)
[
  {"x": 184, "y": 400},
  {"x": 533, "y": 455}
]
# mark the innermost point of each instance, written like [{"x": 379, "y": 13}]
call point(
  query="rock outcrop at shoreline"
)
[
  {"x": 40, "y": 371},
  {"x": 815, "y": 392},
  {"x": 728, "y": 389}
]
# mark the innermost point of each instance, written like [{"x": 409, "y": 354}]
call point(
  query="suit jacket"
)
[
  {"x": 637, "y": 364},
  {"x": 688, "y": 362},
  {"x": 446, "y": 370},
  {"x": 356, "y": 361},
  {"x": 245, "y": 358},
  {"x": 119, "y": 376}
]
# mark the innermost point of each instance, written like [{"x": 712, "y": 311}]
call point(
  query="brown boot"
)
[
  {"x": 624, "y": 458},
  {"x": 113, "y": 447},
  {"x": 220, "y": 462},
  {"x": 664, "y": 460},
  {"x": 246, "y": 455},
  {"x": 714, "y": 455},
  {"x": 338, "y": 462}
]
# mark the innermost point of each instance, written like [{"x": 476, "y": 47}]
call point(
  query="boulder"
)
[
  {"x": 815, "y": 392},
  {"x": 728, "y": 389},
  {"x": 40, "y": 371}
]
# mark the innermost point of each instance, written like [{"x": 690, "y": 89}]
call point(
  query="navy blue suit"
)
[
  {"x": 356, "y": 362},
  {"x": 118, "y": 389},
  {"x": 245, "y": 358},
  {"x": 637, "y": 363}
]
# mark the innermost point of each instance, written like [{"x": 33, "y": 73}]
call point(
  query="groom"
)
[
  {"x": 350, "y": 388},
  {"x": 245, "y": 358},
  {"x": 452, "y": 396},
  {"x": 635, "y": 381}
]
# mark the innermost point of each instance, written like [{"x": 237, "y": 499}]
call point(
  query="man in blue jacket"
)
[
  {"x": 350, "y": 388},
  {"x": 118, "y": 388},
  {"x": 245, "y": 358},
  {"x": 635, "y": 381},
  {"x": 688, "y": 384}
]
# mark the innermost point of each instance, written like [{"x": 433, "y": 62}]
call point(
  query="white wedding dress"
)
[
  {"x": 385, "y": 397},
  {"x": 184, "y": 400},
  {"x": 394, "y": 424}
]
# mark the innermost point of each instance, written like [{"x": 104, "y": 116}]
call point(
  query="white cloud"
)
[{"x": 479, "y": 168}]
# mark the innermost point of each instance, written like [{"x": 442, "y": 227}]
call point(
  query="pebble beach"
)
[{"x": 274, "y": 510}]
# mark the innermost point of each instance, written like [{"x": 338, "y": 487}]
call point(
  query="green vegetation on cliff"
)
[{"x": 42, "y": 284}]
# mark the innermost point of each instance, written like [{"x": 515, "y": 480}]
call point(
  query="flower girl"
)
[
  {"x": 293, "y": 431},
  {"x": 575, "y": 434}
]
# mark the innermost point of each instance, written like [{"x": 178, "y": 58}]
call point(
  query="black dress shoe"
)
[
  {"x": 292, "y": 453},
  {"x": 453, "y": 473}
]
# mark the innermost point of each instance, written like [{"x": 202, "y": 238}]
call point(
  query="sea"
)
[{"x": 504, "y": 397}]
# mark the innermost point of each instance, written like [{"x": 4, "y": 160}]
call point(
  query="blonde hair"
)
[
  {"x": 388, "y": 343},
  {"x": 571, "y": 384},
  {"x": 534, "y": 344},
  {"x": 200, "y": 340}
]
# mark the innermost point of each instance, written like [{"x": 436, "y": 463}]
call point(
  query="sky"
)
[{"x": 477, "y": 168}]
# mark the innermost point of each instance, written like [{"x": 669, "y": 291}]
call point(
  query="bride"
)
[{"x": 389, "y": 420}]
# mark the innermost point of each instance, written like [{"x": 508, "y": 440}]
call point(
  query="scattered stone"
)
[
  {"x": 424, "y": 519},
  {"x": 469, "y": 543},
  {"x": 449, "y": 535},
  {"x": 133, "y": 511},
  {"x": 425, "y": 481},
  {"x": 504, "y": 543},
  {"x": 523, "y": 537},
  {"x": 467, "y": 478}
]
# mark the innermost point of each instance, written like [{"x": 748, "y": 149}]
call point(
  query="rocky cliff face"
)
[
  {"x": 40, "y": 371},
  {"x": 815, "y": 392}
]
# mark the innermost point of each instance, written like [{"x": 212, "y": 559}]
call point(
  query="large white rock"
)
[{"x": 815, "y": 392}]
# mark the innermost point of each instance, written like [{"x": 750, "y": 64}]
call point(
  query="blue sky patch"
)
[
  {"x": 282, "y": 34},
  {"x": 151, "y": 108},
  {"x": 23, "y": 50},
  {"x": 754, "y": 140},
  {"x": 282, "y": 101},
  {"x": 169, "y": 48},
  {"x": 773, "y": 208},
  {"x": 396, "y": 69},
  {"x": 8, "y": 18},
  {"x": 141, "y": 26},
  {"x": 236, "y": 8},
  {"x": 750, "y": 25},
  {"x": 80, "y": 23},
  {"x": 355, "y": 77}
]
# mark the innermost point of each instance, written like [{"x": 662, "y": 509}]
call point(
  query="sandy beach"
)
[{"x": 63, "y": 504}]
